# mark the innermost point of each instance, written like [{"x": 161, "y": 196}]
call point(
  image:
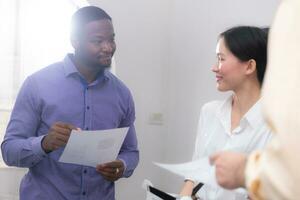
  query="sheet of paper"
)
[
  {"x": 200, "y": 170},
  {"x": 91, "y": 148}
]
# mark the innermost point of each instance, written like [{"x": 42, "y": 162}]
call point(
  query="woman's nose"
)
[{"x": 215, "y": 68}]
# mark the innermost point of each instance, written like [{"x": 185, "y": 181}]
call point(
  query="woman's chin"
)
[{"x": 221, "y": 88}]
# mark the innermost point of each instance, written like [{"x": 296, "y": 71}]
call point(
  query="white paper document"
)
[
  {"x": 91, "y": 148},
  {"x": 200, "y": 170}
]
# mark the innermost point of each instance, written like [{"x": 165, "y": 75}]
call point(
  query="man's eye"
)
[
  {"x": 112, "y": 40},
  {"x": 96, "y": 41}
]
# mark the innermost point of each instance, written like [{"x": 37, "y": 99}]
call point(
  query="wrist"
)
[
  {"x": 242, "y": 172},
  {"x": 44, "y": 145}
]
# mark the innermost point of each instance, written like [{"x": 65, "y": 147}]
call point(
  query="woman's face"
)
[{"x": 229, "y": 70}]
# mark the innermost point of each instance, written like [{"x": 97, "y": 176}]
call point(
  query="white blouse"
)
[{"x": 214, "y": 134}]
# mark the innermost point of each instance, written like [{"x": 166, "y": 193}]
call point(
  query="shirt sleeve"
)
[
  {"x": 129, "y": 153},
  {"x": 21, "y": 146},
  {"x": 266, "y": 174},
  {"x": 200, "y": 140}
]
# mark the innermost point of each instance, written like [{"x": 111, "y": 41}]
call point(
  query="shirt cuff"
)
[
  {"x": 36, "y": 144},
  {"x": 252, "y": 178},
  {"x": 190, "y": 179},
  {"x": 125, "y": 166}
]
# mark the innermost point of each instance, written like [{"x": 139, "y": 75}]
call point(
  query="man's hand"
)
[
  {"x": 230, "y": 168},
  {"x": 111, "y": 171},
  {"x": 57, "y": 136}
]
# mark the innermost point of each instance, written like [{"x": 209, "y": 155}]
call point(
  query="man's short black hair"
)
[{"x": 85, "y": 15}]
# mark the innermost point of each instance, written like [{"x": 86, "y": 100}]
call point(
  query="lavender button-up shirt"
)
[{"x": 59, "y": 93}]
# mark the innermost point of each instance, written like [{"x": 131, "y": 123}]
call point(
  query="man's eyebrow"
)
[{"x": 101, "y": 36}]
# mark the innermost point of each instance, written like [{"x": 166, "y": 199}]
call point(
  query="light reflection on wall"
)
[
  {"x": 33, "y": 34},
  {"x": 7, "y": 29},
  {"x": 44, "y": 33}
]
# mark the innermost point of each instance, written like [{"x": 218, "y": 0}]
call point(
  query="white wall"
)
[{"x": 193, "y": 36}]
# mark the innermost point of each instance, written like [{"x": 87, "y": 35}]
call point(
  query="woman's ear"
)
[{"x": 251, "y": 66}]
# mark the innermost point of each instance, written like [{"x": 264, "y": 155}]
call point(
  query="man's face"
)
[{"x": 96, "y": 44}]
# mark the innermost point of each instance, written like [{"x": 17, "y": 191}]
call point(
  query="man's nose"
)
[{"x": 107, "y": 46}]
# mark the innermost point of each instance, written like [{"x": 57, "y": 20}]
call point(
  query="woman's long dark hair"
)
[{"x": 248, "y": 42}]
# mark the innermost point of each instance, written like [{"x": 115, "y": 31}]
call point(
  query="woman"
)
[{"x": 235, "y": 123}]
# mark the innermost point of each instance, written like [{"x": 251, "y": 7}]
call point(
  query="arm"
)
[
  {"x": 189, "y": 184},
  {"x": 21, "y": 146},
  {"x": 187, "y": 188},
  {"x": 129, "y": 153}
]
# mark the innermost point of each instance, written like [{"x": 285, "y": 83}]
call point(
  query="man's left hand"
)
[
  {"x": 111, "y": 171},
  {"x": 230, "y": 169}
]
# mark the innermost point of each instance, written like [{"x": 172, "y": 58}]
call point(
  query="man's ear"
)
[
  {"x": 75, "y": 42},
  {"x": 251, "y": 66}
]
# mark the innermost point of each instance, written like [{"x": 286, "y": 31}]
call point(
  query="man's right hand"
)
[{"x": 57, "y": 136}]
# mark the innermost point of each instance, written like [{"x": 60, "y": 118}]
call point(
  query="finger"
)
[
  {"x": 108, "y": 170},
  {"x": 213, "y": 158},
  {"x": 61, "y": 130},
  {"x": 66, "y": 125},
  {"x": 62, "y": 138},
  {"x": 60, "y": 124},
  {"x": 114, "y": 164},
  {"x": 108, "y": 175},
  {"x": 57, "y": 144},
  {"x": 71, "y": 127}
]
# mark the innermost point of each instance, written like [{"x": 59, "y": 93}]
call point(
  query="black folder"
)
[{"x": 166, "y": 196}]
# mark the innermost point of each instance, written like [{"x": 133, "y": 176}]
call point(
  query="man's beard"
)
[{"x": 97, "y": 66}]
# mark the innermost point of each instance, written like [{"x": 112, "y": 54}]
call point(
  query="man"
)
[
  {"x": 77, "y": 93},
  {"x": 273, "y": 174}
]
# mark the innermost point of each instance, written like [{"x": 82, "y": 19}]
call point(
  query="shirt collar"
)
[
  {"x": 224, "y": 110},
  {"x": 70, "y": 68},
  {"x": 224, "y": 114},
  {"x": 253, "y": 117}
]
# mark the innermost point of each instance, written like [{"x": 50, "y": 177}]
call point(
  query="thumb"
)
[{"x": 213, "y": 158}]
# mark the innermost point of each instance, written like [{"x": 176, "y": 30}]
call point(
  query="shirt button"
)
[
  {"x": 84, "y": 171},
  {"x": 87, "y": 107},
  {"x": 87, "y": 128},
  {"x": 83, "y": 193}
]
